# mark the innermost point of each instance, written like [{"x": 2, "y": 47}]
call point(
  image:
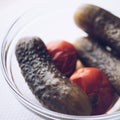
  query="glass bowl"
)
[{"x": 49, "y": 23}]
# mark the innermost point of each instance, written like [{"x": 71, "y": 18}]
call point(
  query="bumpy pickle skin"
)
[
  {"x": 101, "y": 24},
  {"x": 50, "y": 87},
  {"x": 94, "y": 55}
]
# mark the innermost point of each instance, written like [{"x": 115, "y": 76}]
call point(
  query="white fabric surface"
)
[{"x": 10, "y": 108}]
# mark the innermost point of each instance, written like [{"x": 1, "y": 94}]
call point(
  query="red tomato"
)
[
  {"x": 63, "y": 55},
  {"x": 94, "y": 82}
]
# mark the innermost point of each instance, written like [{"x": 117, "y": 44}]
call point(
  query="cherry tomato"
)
[
  {"x": 95, "y": 83},
  {"x": 63, "y": 55}
]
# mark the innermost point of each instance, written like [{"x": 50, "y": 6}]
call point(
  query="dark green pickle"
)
[
  {"x": 92, "y": 54},
  {"x": 100, "y": 24},
  {"x": 47, "y": 83}
]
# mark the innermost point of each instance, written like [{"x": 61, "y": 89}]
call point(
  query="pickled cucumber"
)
[
  {"x": 92, "y": 54},
  {"x": 51, "y": 88},
  {"x": 100, "y": 24}
]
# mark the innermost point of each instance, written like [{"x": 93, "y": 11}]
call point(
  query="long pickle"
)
[
  {"x": 94, "y": 55},
  {"x": 51, "y": 88},
  {"x": 100, "y": 24}
]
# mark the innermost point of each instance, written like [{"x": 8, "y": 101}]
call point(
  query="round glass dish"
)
[{"x": 48, "y": 24}]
